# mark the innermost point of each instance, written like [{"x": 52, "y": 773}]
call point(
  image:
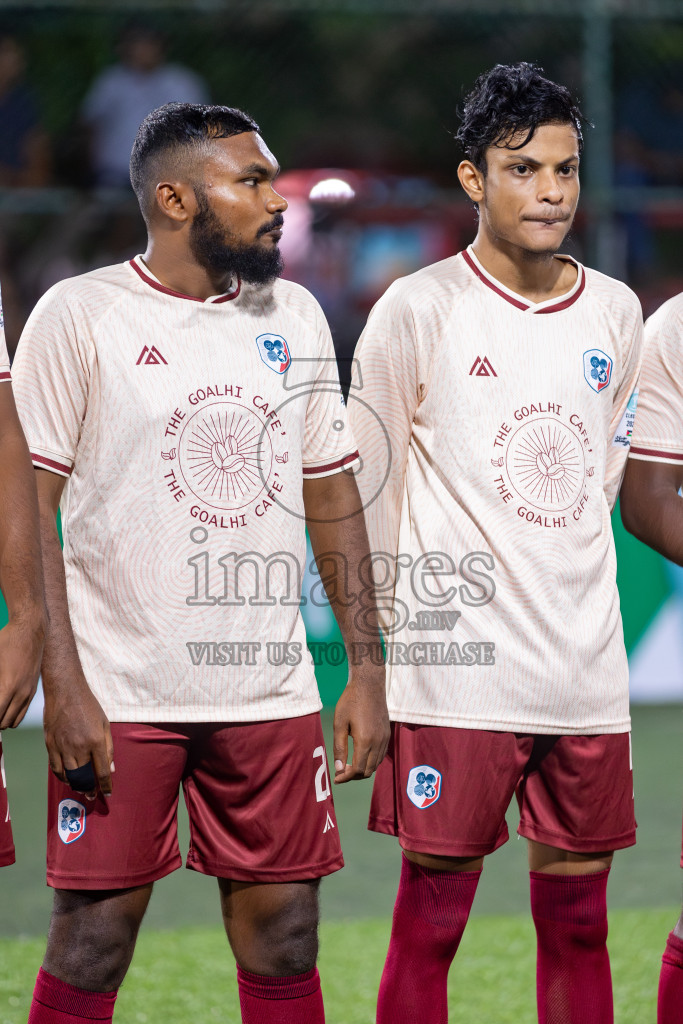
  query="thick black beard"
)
[{"x": 255, "y": 264}]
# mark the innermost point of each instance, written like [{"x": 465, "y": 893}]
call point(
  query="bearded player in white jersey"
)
[
  {"x": 491, "y": 410},
  {"x": 21, "y": 581},
  {"x": 191, "y": 400},
  {"x": 652, "y": 509}
]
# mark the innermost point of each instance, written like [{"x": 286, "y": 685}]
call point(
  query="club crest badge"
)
[
  {"x": 71, "y": 821},
  {"x": 274, "y": 352},
  {"x": 424, "y": 786},
  {"x": 597, "y": 369}
]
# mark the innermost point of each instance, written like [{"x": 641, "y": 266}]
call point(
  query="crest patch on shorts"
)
[
  {"x": 71, "y": 821},
  {"x": 424, "y": 786}
]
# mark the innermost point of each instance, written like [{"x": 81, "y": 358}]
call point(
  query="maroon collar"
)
[
  {"x": 553, "y": 306},
  {"x": 142, "y": 271}
]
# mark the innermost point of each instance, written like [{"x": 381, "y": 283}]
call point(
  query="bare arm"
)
[
  {"x": 76, "y": 728},
  {"x": 21, "y": 641},
  {"x": 340, "y": 544},
  {"x": 651, "y": 507}
]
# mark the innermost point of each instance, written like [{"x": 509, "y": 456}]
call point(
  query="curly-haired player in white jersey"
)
[
  {"x": 21, "y": 581},
  {"x": 652, "y": 509},
  {"x": 492, "y": 418},
  {"x": 191, "y": 400}
]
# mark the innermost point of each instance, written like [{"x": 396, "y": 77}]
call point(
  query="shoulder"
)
[
  {"x": 668, "y": 318},
  {"x": 614, "y": 296},
  {"x": 283, "y": 302},
  {"x": 87, "y": 294},
  {"x": 428, "y": 289}
]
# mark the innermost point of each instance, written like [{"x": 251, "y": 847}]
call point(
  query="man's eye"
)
[
  {"x": 521, "y": 169},
  {"x": 568, "y": 170},
  {"x": 250, "y": 181}
]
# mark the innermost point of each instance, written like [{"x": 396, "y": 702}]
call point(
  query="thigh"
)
[
  {"x": 445, "y": 791},
  {"x": 577, "y": 793},
  {"x": 260, "y": 804},
  {"x": 127, "y": 839},
  {"x": 6, "y": 843}
]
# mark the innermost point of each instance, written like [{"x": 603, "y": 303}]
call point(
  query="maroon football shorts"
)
[
  {"x": 445, "y": 791},
  {"x": 6, "y": 843},
  {"x": 258, "y": 797}
]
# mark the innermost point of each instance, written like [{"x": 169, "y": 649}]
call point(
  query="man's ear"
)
[
  {"x": 472, "y": 180},
  {"x": 176, "y": 200}
]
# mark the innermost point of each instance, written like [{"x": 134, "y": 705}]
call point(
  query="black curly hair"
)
[{"x": 509, "y": 101}]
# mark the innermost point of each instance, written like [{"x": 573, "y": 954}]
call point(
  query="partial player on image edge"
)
[
  {"x": 21, "y": 641},
  {"x": 502, "y": 379},
  {"x": 652, "y": 509}
]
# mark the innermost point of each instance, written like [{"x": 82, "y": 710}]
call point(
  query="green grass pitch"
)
[{"x": 183, "y": 971}]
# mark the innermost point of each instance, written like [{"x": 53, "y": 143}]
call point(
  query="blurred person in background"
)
[
  {"x": 24, "y": 147},
  {"x": 652, "y": 510},
  {"x": 122, "y": 95}
]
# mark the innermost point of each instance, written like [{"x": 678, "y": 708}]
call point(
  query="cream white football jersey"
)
[
  {"x": 185, "y": 429},
  {"x": 494, "y": 433},
  {"x": 658, "y": 430}
]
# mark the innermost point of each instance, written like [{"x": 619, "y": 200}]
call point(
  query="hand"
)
[
  {"x": 77, "y": 732},
  {"x": 361, "y": 712},
  {"x": 21, "y": 648}
]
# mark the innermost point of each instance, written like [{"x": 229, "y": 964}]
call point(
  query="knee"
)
[
  {"x": 89, "y": 945},
  {"x": 283, "y": 941}
]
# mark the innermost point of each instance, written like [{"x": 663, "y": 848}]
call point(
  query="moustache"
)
[{"x": 277, "y": 222}]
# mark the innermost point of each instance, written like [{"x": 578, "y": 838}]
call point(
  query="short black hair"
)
[
  {"x": 512, "y": 100},
  {"x": 173, "y": 136}
]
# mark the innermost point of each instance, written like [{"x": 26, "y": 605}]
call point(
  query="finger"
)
[
  {"x": 361, "y": 753},
  {"x": 345, "y": 774},
  {"x": 340, "y": 745},
  {"x": 102, "y": 764},
  {"x": 55, "y": 760},
  {"x": 109, "y": 741},
  {"x": 15, "y": 711}
]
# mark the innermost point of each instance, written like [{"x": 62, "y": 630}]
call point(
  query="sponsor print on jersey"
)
[
  {"x": 622, "y": 437},
  {"x": 71, "y": 821},
  {"x": 274, "y": 352},
  {"x": 424, "y": 786},
  {"x": 542, "y": 457},
  {"x": 597, "y": 368}
]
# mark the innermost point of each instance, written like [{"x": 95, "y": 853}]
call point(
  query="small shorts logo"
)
[
  {"x": 597, "y": 369},
  {"x": 424, "y": 786},
  {"x": 71, "y": 820},
  {"x": 274, "y": 352}
]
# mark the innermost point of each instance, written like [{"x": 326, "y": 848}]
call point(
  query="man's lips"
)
[{"x": 273, "y": 228}]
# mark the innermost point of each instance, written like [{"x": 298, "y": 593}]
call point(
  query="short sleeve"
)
[
  {"x": 51, "y": 376},
  {"x": 385, "y": 392},
  {"x": 625, "y": 401},
  {"x": 658, "y": 430},
  {"x": 329, "y": 445}
]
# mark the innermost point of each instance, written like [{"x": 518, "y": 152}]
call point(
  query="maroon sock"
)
[
  {"x": 430, "y": 915},
  {"x": 670, "y": 999},
  {"x": 293, "y": 1000},
  {"x": 573, "y": 979},
  {"x": 55, "y": 1002}
]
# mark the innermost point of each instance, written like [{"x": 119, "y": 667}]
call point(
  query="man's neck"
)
[
  {"x": 179, "y": 271},
  {"x": 536, "y": 277}
]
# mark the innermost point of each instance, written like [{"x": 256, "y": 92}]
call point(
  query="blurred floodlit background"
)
[{"x": 365, "y": 93}]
